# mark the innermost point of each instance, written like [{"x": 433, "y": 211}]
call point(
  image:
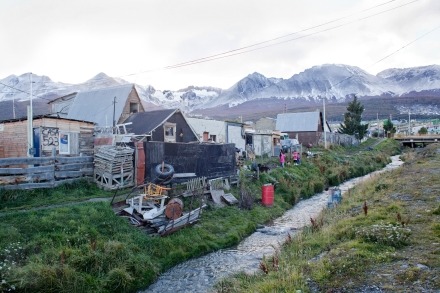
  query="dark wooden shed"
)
[
  {"x": 208, "y": 160},
  {"x": 169, "y": 125}
]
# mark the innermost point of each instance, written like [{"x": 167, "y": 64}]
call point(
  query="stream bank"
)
[{"x": 201, "y": 274}]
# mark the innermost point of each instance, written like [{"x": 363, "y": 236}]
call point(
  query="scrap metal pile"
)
[{"x": 156, "y": 212}]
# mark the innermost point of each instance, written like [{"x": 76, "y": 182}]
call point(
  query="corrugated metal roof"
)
[
  {"x": 97, "y": 105},
  {"x": 145, "y": 122},
  {"x": 201, "y": 125},
  {"x": 51, "y": 116},
  {"x": 293, "y": 122}
]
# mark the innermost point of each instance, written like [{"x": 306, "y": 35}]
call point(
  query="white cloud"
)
[{"x": 71, "y": 41}]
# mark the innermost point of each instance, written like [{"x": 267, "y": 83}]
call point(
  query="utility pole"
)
[
  {"x": 30, "y": 123},
  {"x": 409, "y": 122},
  {"x": 377, "y": 126},
  {"x": 323, "y": 127},
  {"x": 114, "y": 112},
  {"x": 13, "y": 107}
]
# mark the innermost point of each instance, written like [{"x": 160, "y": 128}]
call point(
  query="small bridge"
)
[{"x": 419, "y": 140}]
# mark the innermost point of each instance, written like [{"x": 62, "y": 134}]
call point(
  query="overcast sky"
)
[{"x": 73, "y": 40}]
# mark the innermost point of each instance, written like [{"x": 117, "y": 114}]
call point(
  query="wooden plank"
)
[
  {"x": 26, "y": 178},
  {"x": 74, "y": 166},
  {"x": 182, "y": 221},
  {"x": 15, "y": 171},
  {"x": 216, "y": 195},
  {"x": 71, "y": 180},
  {"x": 182, "y": 175},
  {"x": 230, "y": 199},
  {"x": 73, "y": 174},
  {"x": 26, "y": 161},
  {"x": 71, "y": 160},
  {"x": 28, "y": 186}
]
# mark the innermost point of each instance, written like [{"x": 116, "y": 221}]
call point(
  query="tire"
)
[{"x": 168, "y": 171}]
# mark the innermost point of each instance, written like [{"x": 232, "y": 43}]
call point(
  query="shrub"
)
[
  {"x": 386, "y": 234},
  {"x": 118, "y": 280}
]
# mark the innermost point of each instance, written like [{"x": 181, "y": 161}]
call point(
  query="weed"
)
[{"x": 264, "y": 267}]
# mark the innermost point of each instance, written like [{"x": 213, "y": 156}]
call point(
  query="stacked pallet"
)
[{"x": 114, "y": 167}]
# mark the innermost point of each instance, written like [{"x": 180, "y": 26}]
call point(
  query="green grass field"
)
[{"x": 77, "y": 246}]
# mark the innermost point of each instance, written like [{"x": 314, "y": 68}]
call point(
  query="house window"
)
[
  {"x": 68, "y": 143},
  {"x": 134, "y": 107},
  {"x": 169, "y": 132},
  {"x": 64, "y": 143},
  {"x": 213, "y": 138}
]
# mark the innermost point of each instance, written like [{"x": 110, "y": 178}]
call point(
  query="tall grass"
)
[
  {"x": 350, "y": 244},
  {"x": 87, "y": 248}
]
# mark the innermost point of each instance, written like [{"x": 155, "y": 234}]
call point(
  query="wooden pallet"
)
[{"x": 114, "y": 167}]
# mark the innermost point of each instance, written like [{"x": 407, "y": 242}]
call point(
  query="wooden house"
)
[
  {"x": 307, "y": 127},
  {"x": 65, "y": 136},
  {"x": 169, "y": 125},
  {"x": 265, "y": 123},
  {"x": 209, "y": 130},
  {"x": 106, "y": 107}
]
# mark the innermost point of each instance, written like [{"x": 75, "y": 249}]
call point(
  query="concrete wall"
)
[
  {"x": 235, "y": 135},
  {"x": 263, "y": 144}
]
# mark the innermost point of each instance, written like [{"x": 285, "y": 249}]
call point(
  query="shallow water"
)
[{"x": 199, "y": 275}]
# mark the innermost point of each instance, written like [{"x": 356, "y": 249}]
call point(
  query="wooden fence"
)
[{"x": 43, "y": 172}]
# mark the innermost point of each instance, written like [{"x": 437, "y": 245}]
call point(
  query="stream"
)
[{"x": 200, "y": 274}]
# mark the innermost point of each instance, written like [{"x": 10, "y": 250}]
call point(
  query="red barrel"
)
[{"x": 267, "y": 195}]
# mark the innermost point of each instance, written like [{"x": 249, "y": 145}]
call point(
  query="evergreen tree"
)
[
  {"x": 388, "y": 126},
  {"x": 423, "y": 131},
  {"x": 352, "y": 120}
]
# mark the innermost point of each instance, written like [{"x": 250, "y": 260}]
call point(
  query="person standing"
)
[
  {"x": 282, "y": 158},
  {"x": 295, "y": 157}
]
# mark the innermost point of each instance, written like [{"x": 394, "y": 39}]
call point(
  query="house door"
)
[{"x": 37, "y": 143}]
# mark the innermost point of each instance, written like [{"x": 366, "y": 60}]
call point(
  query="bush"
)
[
  {"x": 386, "y": 234},
  {"x": 118, "y": 280}
]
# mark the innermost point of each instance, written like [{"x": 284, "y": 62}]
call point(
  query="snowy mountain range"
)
[{"x": 335, "y": 82}]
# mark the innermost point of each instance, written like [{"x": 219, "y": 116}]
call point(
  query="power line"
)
[
  {"x": 281, "y": 37},
  {"x": 220, "y": 56},
  {"x": 248, "y": 48}
]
